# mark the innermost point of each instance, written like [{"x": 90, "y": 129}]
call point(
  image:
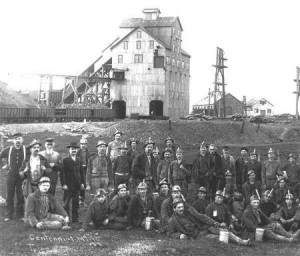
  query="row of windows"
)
[
  {"x": 138, "y": 58},
  {"x": 178, "y": 63},
  {"x": 138, "y": 44}
]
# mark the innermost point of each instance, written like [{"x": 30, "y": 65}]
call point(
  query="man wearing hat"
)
[
  {"x": 14, "y": 155},
  {"x": 118, "y": 207},
  {"x": 72, "y": 180},
  {"x": 133, "y": 151},
  {"x": 270, "y": 169},
  {"x": 267, "y": 205},
  {"x": 113, "y": 148},
  {"x": 164, "y": 165},
  {"x": 99, "y": 170},
  {"x": 291, "y": 172},
  {"x": 97, "y": 212},
  {"x": 84, "y": 155},
  {"x": 122, "y": 167},
  {"x": 240, "y": 163},
  {"x": 289, "y": 214},
  {"x": 33, "y": 168},
  {"x": 228, "y": 186},
  {"x": 228, "y": 160},
  {"x": 140, "y": 206},
  {"x": 216, "y": 168},
  {"x": 42, "y": 209},
  {"x": 280, "y": 190},
  {"x": 169, "y": 142},
  {"x": 253, "y": 164},
  {"x": 253, "y": 218},
  {"x": 178, "y": 173},
  {"x": 144, "y": 167},
  {"x": 163, "y": 189},
  {"x": 55, "y": 161},
  {"x": 202, "y": 202},
  {"x": 251, "y": 187}
]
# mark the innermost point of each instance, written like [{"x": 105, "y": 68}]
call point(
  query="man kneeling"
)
[{"x": 43, "y": 211}]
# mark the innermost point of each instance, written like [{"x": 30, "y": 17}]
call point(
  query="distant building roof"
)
[{"x": 253, "y": 101}]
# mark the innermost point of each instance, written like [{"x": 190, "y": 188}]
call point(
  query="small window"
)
[
  {"x": 158, "y": 62},
  {"x": 151, "y": 44},
  {"x": 173, "y": 47},
  {"x": 182, "y": 64},
  {"x": 269, "y": 111},
  {"x": 187, "y": 65},
  {"x": 92, "y": 112},
  {"x": 255, "y": 110},
  {"x": 168, "y": 60},
  {"x": 178, "y": 63},
  {"x": 125, "y": 45},
  {"x": 138, "y": 44},
  {"x": 173, "y": 62},
  {"x": 139, "y": 34},
  {"x": 120, "y": 58},
  {"x": 138, "y": 58}
]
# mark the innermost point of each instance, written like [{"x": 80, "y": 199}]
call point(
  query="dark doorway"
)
[
  {"x": 119, "y": 108},
  {"x": 156, "y": 108}
]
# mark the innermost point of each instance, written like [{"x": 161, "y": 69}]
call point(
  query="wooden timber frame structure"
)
[
  {"x": 219, "y": 82},
  {"x": 297, "y": 92}
]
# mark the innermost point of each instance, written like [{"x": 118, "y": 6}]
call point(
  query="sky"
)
[{"x": 260, "y": 38}]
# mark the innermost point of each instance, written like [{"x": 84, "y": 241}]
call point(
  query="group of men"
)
[{"x": 131, "y": 187}]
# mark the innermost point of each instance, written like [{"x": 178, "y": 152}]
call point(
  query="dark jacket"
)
[
  {"x": 240, "y": 163},
  {"x": 218, "y": 212},
  {"x": 201, "y": 167},
  {"x": 249, "y": 190},
  {"x": 118, "y": 207},
  {"x": 256, "y": 167},
  {"x": 33, "y": 207},
  {"x": 72, "y": 173},
  {"x": 217, "y": 165},
  {"x": 286, "y": 214},
  {"x": 200, "y": 205}
]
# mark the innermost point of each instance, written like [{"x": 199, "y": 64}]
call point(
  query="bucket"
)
[
  {"x": 259, "y": 234},
  {"x": 224, "y": 236},
  {"x": 148, "y": 223}
]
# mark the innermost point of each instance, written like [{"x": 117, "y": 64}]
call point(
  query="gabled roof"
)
[
  {"x": 145, "y": 30},
  {"x": 255, "y": 100},
  {"x": 158, "y": 22},
  {"x": 227, "y": 95}
]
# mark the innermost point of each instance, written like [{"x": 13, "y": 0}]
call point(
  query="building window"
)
[
  {"x": 256, "y": 110},
  {"x": 151, "y": 44},
  {"x": 138, "y": 58},
  {"x": 120, "y": 58},
  {"x": 139, "y": 34},
  {"x": 269, "y": 111},
  {"x": 168, "y": 60},
  {"x": 187, "y": 65},
  {"x": 173, "y": 62},
  {"x": 173, "y": 47},
  {"x": 182, "y": 64},
  {"x": 178, "y": 63},
  {"x": 138, "y": 44},
  {"x": 125, "y": 45}
]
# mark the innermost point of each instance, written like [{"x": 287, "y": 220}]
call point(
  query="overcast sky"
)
[{"x": 261, "y": 39}]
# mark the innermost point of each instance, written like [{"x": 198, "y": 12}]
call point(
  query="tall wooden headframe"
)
[
  {"x": 220, "y": 82},
  {"x": 297, "y": 92}
]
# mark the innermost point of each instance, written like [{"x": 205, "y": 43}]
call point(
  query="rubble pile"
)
[{"x": 200, "y": 117}]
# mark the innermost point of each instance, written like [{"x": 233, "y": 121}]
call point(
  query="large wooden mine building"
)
[{"x": 143, "y": 71}]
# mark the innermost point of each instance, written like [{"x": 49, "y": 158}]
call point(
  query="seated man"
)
[
  {"x": 140, "y": 206},
  {"x": 253, "y": 217},
  {"x": 97, "y": 211},
  {"x": 288, "y": 214},
  {"x": 267, "y": 206},
  {"x": 118, "y": 207},
  {"x": 280, "y": 190},
  {"x": 236, "y": 207},
  {"x": 183, "y": 225},
  {"x": 43, "y": 211},
  {"x": 202, "y": 202},
  {"x": 251, "y": 186},
  {"x": 163, "y": 188}
]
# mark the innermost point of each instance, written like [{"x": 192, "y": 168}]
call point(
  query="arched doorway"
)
[
  {"x": 119, "y": 108},
  {"x": 156, "y": 108}
]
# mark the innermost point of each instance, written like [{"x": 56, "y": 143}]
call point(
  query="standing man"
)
[
  {"x": 113, "y": 150},
  {"x": 144, "y": 167},
  {"x": 254, "y": 165},
  {"x": 99, "y": 171},
  {"x": 163, "y": 189},
  {"x": 164, "y": 165},
  {"x": 133, "y": 151},
  {"x": 228, "y": 161},
  {"x": 170, "y": 145},
  {"x": 251, "y": 187},
  {"x": 291, "y": 171},
  {"x": 216, "y": 168},
  {"x": 72, "y": 180},
  {"x": 270, "y": 170},
  {"x": 55, "y": 162},
  {"x": 15, "y": 155},
  {"x": 240, "y": 163},
  {"x": 84, "y": 155}
]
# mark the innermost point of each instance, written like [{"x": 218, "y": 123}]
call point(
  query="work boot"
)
[
  {"x": 281, "y": 231},
  {"x": 271, "y": 235},
  {"x": 238, "y": 240}
]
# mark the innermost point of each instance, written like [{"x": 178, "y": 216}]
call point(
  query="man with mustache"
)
[{"x": 15, "y": 155}]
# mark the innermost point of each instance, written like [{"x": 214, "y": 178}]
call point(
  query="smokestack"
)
[{"x": 151, "y": 13}]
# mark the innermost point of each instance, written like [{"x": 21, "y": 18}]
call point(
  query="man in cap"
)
[
  {"x": 164, "y": 165},
  {"x": 99, "y": 170},
  {"x": 163, "y": 188},
  {"x": 267, "y": 205},
  {"x": 55, "y": 161},
  {"x": 156, "y": 154},
  {"x": 253, "y": 164},
  {"x": 144, "y": 167},
  {"x": 216, "y": 168},
  {"x": 169, "y": 142},
  {"x": 118, "y": 207},
  {"x": 240, "y": 163},
  {"x": 253, "y": 218},
  {"x": 113, "y": 148},
  {"x": 228, "y": 160},
  {"x": 97, "y": 211},
  {"x": 33, "y": 168},
  {"x": 280, "y": 190},
  {"x": 42, "y": 209},
  {"x": 133, "y": 151},
  {"x": 140, "y": 206},
  {"x": 72, "y": 180},
  {"x": 202, "y": 202},
  {"x": 228, "y": 186},
  {"x": 84, "y": 155},
  {"x": 122, "y": 167},
  {"x": 289, "y": 214},
  {"x": 14, "y": 155},
  {"x": 251, "y": 187},
  {"x": 270, "y": 169},
  {"x": 178, "y": 173},
  {"x": 237, "y": 206},
  {"x": 291, "y": 172}
]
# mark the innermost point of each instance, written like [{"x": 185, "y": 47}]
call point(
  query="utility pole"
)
[
  {"x": 220, "y": 74},
  {"x": 208, "y": 112},
  {"x": 297, "y": 92}
]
